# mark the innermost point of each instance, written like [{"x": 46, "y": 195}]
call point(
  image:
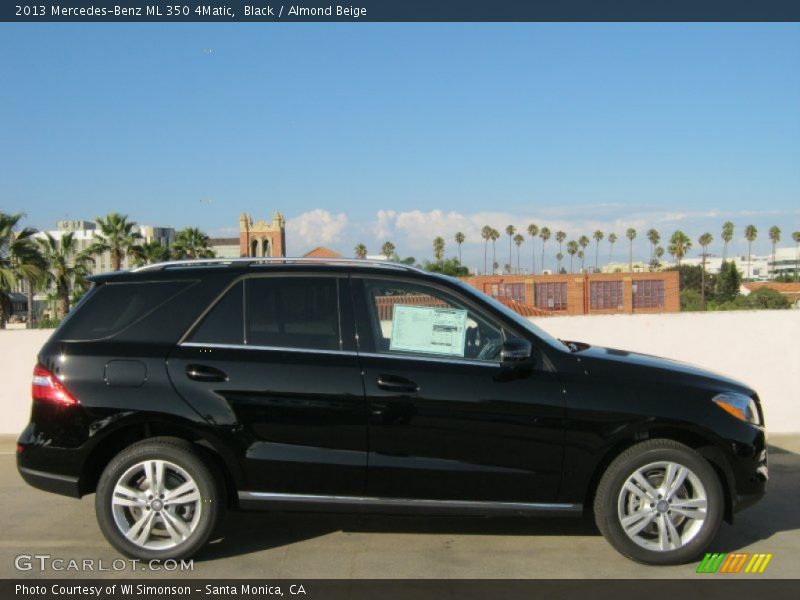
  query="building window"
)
[
  {"x": 510, "y": 291},
  {"x": 648, "y": 294},
  {"x": 550, "y": 296},
  {"x": 605, "y": 295}
]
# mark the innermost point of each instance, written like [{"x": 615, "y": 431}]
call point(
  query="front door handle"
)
[
  {"x": 391, "y": 383},
  {"x": 205, "y": 373}
]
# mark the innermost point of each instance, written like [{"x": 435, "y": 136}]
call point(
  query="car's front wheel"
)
[
  {"x": 157, "y": 499},
  {"x": 659, "y": 502}
]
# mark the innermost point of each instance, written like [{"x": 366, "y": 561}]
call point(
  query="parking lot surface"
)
[{"x": 305, "y": 546}]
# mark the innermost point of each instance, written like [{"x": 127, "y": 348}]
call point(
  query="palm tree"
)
[
  {"x": 438, "y": 248},
  {"x": 572, "y": 250},
  {"x": 583, "y": 242},
  {"x": 654, "y": 238},
  {"x": 598, "y": 236},
  {"x": 705, "y": 241},
  {"x": 631, "y": 235},
  {"x": 361, "y": 251},
  {"x": 774, "y": 238},
  {"x": 518, "y": 240},
  {"x": 486, "y": 235},
  {"x": 796, "y": 238},
  {"x": 727, "y": 236},
  {"x": 659, "y": 252},
  {"x": 190, "y": 242},
  {"x": 495, "y": 237},
  {"x": 560, "y": 237},
  {"x": 559, "y": 258},
  {"x": 510, "y": 231},
  {"x": 750, "y": 234},
  {"x": 544, "y": 233},
  {"x": 679, "y": 245},
  {"x": 119, "y": 237},
  {"x": 460, "y": 237},
  {"x": 388, "y": 250},
  {"x": 612, "y": 239},
  {"x": 581, "y": 255},
  {"x": 152, "y": 252},
  {"x": 533, "y": 231},
  {"x": 67, "y": 268},
  {"x": 20, "y": 260}
]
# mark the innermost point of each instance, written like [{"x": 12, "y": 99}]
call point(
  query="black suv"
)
[{"x": 179, "y": 390}]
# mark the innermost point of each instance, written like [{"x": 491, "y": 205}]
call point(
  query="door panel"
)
[
  {"x": 285, "y": 384},
  {"x": 454, "y": 428}
]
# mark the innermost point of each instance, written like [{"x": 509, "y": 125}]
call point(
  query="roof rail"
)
[{"x": 283, "y": 260}]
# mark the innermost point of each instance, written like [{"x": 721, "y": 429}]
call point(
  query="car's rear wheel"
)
[
  {"x": 157, "y": 499},
  {"x": 659, "y": 502}
]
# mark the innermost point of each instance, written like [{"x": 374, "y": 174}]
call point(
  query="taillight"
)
[{"x": 48, "y": 388}]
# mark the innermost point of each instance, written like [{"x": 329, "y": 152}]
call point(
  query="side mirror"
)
[{"x": 515, "y": 351}]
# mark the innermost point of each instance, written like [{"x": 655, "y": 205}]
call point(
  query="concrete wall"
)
[{"x": 761, "y": 348}]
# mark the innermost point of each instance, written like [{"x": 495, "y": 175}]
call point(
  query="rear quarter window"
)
[{"x": 114, "y": 307}]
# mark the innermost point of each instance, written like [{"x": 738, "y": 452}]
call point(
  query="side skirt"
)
[{"x": 310, "y": 502}]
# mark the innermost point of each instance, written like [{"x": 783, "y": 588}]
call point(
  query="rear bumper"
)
[{"x": 50, "y": 482}]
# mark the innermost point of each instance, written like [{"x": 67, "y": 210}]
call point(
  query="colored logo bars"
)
[{"x": 735, "y": 562}]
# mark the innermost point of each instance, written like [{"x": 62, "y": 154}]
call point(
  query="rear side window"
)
[
  {"x": 293, "y": 312},
  {"x": 224, "y": 323},
  {"x": 113, "y": 307}
]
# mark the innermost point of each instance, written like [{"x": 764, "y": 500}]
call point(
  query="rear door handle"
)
[
  {"x": 392, "y": 383},
  {"x": 205, "y": 373}
]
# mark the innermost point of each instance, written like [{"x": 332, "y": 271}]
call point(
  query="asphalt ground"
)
[{"x": 311, "y": 546}]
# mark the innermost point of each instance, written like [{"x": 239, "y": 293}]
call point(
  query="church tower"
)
[{"x": 262, "y": 239}]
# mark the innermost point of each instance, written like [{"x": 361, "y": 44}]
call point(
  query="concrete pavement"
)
[{"x": 263, "y": 545}]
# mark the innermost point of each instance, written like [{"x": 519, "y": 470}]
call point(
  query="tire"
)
[
  {"x": 174, "y": 524},
  {"x": 653, "y": 507}
]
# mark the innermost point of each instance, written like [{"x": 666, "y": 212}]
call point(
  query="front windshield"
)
[{"x": 515, "y": 317}]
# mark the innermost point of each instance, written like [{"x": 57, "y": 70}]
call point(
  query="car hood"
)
[{"x": 622, "y": 363}]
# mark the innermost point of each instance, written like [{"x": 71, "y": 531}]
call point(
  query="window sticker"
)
[{"x": 429, "y": 330}]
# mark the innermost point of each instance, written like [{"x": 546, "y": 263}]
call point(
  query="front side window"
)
[{"x": 409, "y": 318}]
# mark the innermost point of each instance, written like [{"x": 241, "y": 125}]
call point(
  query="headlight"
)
[{"x": 740, "y": 406}]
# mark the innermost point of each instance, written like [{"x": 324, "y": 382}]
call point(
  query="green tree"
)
[
  {"x": 774, "y": 238},
  {"x": 495, "y": 237},
  {"x": 572, "y": 250},
  {"x": 612, "y": 239},
  {"x": 438, "y": 248},
  {"x": 598, "y": 237},
  {"x": 151, "y": 252},
  {"x": 796, "y": 238},
  {"x": 656, "y": 262},
  {"x": 691, "y": 301},
  {"x": 750, "y": 234},
  {"x": 729, "y": 282},
  {"x": 510, "y": 231},
  {"x": 704, "y": 241},
  {"x": 361, "y": 251},
  {"x": 690, "y": 277},
  {"x": 544, "y": 234},
  {"x": 388, "y": 250},
  {"x": 631, "y": 235},
  {"x": 518, "y": 240},
  {"x": 533, "y": 231},
  {"x": 727, "y": 236},
  {"x": 654, "y": 238},
  {"x": 67, "y": 269},
  {"x": 679, "y": 245},
  {"x": 20, "y": 261},
  {"x": 765, "y": 297},
  {"x": 460, "y": 237},
  {"x": 486, "y": 235},
  {"x": 449, "y": 266},
  {"x": 117, "y": 236},
  {"x": 583, "y": 242},
  {"x": 191, "y": 243},
  {"x": 560, "y": 237}
]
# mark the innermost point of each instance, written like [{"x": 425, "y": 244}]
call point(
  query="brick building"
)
[{"x": 584, "y": 294}]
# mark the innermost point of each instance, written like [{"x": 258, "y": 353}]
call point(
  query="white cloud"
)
[{"x": 314, "y": 228}]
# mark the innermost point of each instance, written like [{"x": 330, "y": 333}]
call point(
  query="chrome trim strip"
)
[
  {"x": 410, "y": 502},
  {"x": 272, "y": 348},
  {"x": 285, "y": 260},
  {"x": 438, "y": 359}
]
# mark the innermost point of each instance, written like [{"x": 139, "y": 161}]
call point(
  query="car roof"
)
[{"x": 202, "y": 268}]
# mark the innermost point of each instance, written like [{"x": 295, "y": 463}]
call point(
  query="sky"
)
[{"x": 370, "y": 132}]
